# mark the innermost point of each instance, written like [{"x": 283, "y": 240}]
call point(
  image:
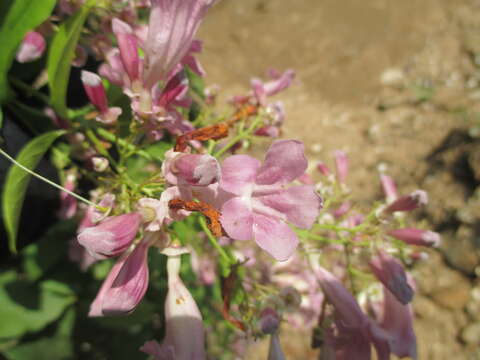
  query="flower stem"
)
[{"x": 213, "y": 240}]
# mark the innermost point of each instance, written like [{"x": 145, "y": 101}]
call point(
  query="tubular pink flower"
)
[
  {"x": 262, "y": 203},
  {"x": 323, "y": 168},
  {"x": 128, "y": 45},
  {"x": 96, "y": 94},
  {"x": 355, "y": 331},
  {"x": 389, "y": 188},
  {"x": 397, "y": 321},
  {"x": 172, "y": 26},
  {"x": 131, "y": 283},
  {"x": 68, "y": 204},
  {"x": 31, "y": 48},
  {"x": 275, "y": 351},
  {"x": 390, "y": 272},
  {"x": 190, "y": 169},
  {"x": 112, "y": 236},
  {"x": 262, "y": 90},
  {"x": 113, "y": 69},
  {"x": 184, "y": 325},
  {"x": 408, "y": 202},
  {"x": 341, "y": 165},
  {"x": 418, "y": 237}
]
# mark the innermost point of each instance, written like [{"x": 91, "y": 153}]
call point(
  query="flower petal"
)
[
  {"x": 238, "y": 173},
  {"x": 300, "y": 203},
  {"x": 274, "y": 236},
  {"x": 237, "y": 219},
  {"x": 285, "y": 161}
]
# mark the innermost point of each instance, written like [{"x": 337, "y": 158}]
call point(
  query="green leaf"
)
[
  {"x": 17, "y": 180},
  {"x": 46, "y": 348},
  {"x": 28, "y": 307},
  {"x": 22, "y": 16},
  {"x": 42, "y": 255},
  {"x": 60, "y": 56}
]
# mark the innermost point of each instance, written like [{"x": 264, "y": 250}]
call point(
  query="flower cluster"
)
[{"x": 282, "y": 242}]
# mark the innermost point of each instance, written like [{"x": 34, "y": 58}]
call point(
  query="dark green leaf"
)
[
  {"x": 56, "y": 347},
  {"x": 41, "y": 256},
  {"x": 22, "y": 16},
  {"x": 17, "y": 181},
  {"x": 60, "y": 56},
  {"x": 36, "y": 121},
  {"x": 27, "y": 307}
]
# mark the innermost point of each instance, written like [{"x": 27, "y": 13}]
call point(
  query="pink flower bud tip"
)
[
  {"x": 112, "y": 236},
  {"x": 389, "y": 188},
  {"x": 408, "y": 202},
  {"x": 391, "y": 273},
  {"x": 418, "y": 237},
  {"x": 191, "y": 169},
  {"x": 341, "y": 164},
  {"x": 32, "y": 47},
  {"x": 323, "y": 169}
]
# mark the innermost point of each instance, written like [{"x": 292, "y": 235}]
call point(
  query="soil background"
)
[{"x": 396, "y": 85}]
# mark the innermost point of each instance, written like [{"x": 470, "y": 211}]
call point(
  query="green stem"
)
[
  {"x": 213, "y": 240},
  {"x": 30, "y": 91},
  {"x": 114, "y": 139},
  {"x": 49, "y": 181},
  {"x": 243, "y": 135}
]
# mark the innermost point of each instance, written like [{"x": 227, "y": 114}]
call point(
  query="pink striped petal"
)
[
  {"x": 130, "y": 285},
  {"x": 238, "y": 173},
  {"x": 274, "y": 236},
  {"x": 237, "y": 219},
  {"x": 300, "y": 204},
  {"x": 285, "y": 161}
]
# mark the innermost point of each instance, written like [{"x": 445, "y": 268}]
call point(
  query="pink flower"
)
[
  {"x": 389, "y": 188},
  {"x": 354, "y": 331},
  {"x": 203, "y": 267},
  {"x": 263, "y": 204},
  {"x": 190, "y": 169},
  {"x": 128, "y": 46},
  {"x": 341, "y": 165},
  {"x": 31, "y": 48},
  {"x": 397, "y": 321},
  {"x": 390, "y": 272},
  {"x": 408, "y": 202},
  {"x": 262, "y": 90},
  {"x": 323, "y": 168},
  {"x": 68, "y": 204},
  {"x": 172, "y": 26},
  {"x": 275, "y": 351},
  {"x": 96, "y": 93},
  {"x": 184, "y": 334},
  {"x": 112, "y": 236},
  {"x": 418, "y": 237},
  {"x": 131, "y": 283}
]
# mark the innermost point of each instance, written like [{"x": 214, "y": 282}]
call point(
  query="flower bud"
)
[
  {"x": 269, "y": 321},
  {"x": 128, "y": 45},
  {"x": 323, "y": 168},
  {"x": 112, "y": 236},
  {"x": 418, "y": 237},
  {"x": 100, "y": 164},
  {"x": 390, "y": 272},
  {"x": 291, "y": 297},
  {"x": 191, "y": 169},
  {"x": 341, "y": 165},
  {"x": 32, "y": 47},
  {"x": 408, "y": 202},
  {"x": 389, "y": 188}
]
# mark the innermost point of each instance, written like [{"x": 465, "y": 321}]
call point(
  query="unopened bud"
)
[{"x": 100, "y": 164}]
